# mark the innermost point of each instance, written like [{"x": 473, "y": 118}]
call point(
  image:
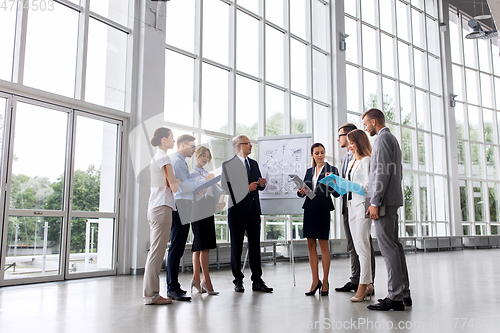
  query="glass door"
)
[
  {"x": 62, "y": 193},
  {"x": 94, "y": 200},
  {"x": 34, "y": 217},
  {"x": 4, "y": 107}
]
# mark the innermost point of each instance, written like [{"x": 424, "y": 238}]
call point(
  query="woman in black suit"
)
[
  {"x": 317, "y": 217},
  {"x": 205, "y": 206}
]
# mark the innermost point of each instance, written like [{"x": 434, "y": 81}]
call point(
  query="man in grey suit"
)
[
  {"x": 386, "y": 174},
  {"x": 352, "y": 284}
]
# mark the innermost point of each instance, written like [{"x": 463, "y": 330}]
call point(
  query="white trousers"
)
[
  {"x": 160, "y": 222},
  {"x": 360, "y": 230}
]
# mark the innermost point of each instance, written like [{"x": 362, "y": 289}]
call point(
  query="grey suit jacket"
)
[{"x": 386, "y": 171}]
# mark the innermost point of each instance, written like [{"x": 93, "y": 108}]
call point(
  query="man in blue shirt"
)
[{"x": 182, "y": 216}]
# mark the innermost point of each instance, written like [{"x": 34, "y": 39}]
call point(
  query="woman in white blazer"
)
[{"x": 358, "y": 172}]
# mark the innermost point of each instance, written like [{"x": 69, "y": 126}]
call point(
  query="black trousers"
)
[
  {"x": 237, "y": 226},
  {"x": 178, "y": 237}
]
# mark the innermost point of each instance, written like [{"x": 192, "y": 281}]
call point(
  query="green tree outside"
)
[{"x": 39, "y": 193}]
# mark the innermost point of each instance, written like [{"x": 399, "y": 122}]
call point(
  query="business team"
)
[{"x": 377, "y": 170}]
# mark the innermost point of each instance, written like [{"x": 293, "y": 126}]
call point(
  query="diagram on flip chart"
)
[{"x": 280, "y": 161}]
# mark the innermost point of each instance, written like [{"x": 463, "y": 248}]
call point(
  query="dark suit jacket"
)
[
  {"x": 251, "y": 200},
  {"x": 323, "y": 199}
]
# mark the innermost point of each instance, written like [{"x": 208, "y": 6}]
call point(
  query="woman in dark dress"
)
[
  {"x": 317, "y": 217},
  {"x": 203, "y": 225}
]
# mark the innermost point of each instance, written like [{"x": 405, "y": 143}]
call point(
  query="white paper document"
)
[{"x": 300, "y": 184}]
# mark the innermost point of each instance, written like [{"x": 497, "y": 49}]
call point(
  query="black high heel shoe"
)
[
  {"x": 312, "y": 292},
  {"x": 325, "y": 293}
]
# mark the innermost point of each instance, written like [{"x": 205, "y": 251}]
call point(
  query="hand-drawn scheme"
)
[{"x": 280, "y": 161}]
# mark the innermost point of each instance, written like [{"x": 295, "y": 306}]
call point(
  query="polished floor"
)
[{"x": 454, "y": 291}]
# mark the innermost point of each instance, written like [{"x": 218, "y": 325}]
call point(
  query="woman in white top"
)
[
  {"x": 160, "y": 206},
  {"x": 358, "y": 172}
]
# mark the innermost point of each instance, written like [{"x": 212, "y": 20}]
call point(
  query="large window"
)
[
  {"x": 398, "y": 71},
  {"x": 7, "y": 36},
  {"x": 50, "y": 60},
  {"x": 60, "y": 216},
  {"x": 476, "y": 73},
  {"x": 77, "y": 49},
  {"x": 233, "y": 68},
  {"x": 106, "y": 65},
  {"x": 62, "y": 63}
]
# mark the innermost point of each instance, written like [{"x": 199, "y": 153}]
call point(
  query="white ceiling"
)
[
  {"x": 495, "y": 10},
  {"x": 479, "y": 7}
]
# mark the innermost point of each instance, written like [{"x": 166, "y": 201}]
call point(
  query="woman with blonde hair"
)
[
  {"x": 203, "y": 225},
  {"x": 160, "y": 206},
  {"x": 358, "y": 171}
]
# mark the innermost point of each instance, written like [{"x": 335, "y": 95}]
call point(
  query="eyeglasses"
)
[
  {"x": 245, "y": 143},
  {"x": 342, "y": 135}
]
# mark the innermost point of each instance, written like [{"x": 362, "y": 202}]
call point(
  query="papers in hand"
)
[
  {"x": 342, "y": 185},
  {"x": 207, "y": 184},
  {"x": 300, "y": 184}
]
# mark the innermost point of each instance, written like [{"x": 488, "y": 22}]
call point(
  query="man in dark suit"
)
[
  {"x": 352, "y": 284},
  {"x": 386, "y": 174},
  {"x": 241, "y": 178}
]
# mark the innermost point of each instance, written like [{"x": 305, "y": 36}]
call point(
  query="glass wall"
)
[
  {"x": 278, "y": 68},
  {"x": 60, "y": 217},
  {"x": 68, "y": 49},
  {"x": 476, "y": 82},
  {"x": 264, "y": 68},
  {"x": 234, "y": 68},
  {"x": 62, "y": 62},
  {"x": 394, "y": 64},
  {"x": 7, "y": 39}
]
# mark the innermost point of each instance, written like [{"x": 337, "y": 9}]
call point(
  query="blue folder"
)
[
  {"x": 207, "y": 184},
  {"x": 342, "y": 185}
]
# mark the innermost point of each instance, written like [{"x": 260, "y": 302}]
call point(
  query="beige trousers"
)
[{"x": 160, "y": 222}]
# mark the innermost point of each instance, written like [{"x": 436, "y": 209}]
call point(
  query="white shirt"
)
[
  {"x": 200, "y": 173},
  {"x": 315, "y": 176},
  {"x": 360, "y": 174},
  {"x": 243, "y": 161},
  {"x": 382, "y": 129},
  {"x": 161, "y": 194}
]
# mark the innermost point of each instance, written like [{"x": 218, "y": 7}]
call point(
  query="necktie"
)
[
  {"x": 248, "y": 168},
  {"x": 349, "y": 196},
  {"x": 346, "y": 162}
]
